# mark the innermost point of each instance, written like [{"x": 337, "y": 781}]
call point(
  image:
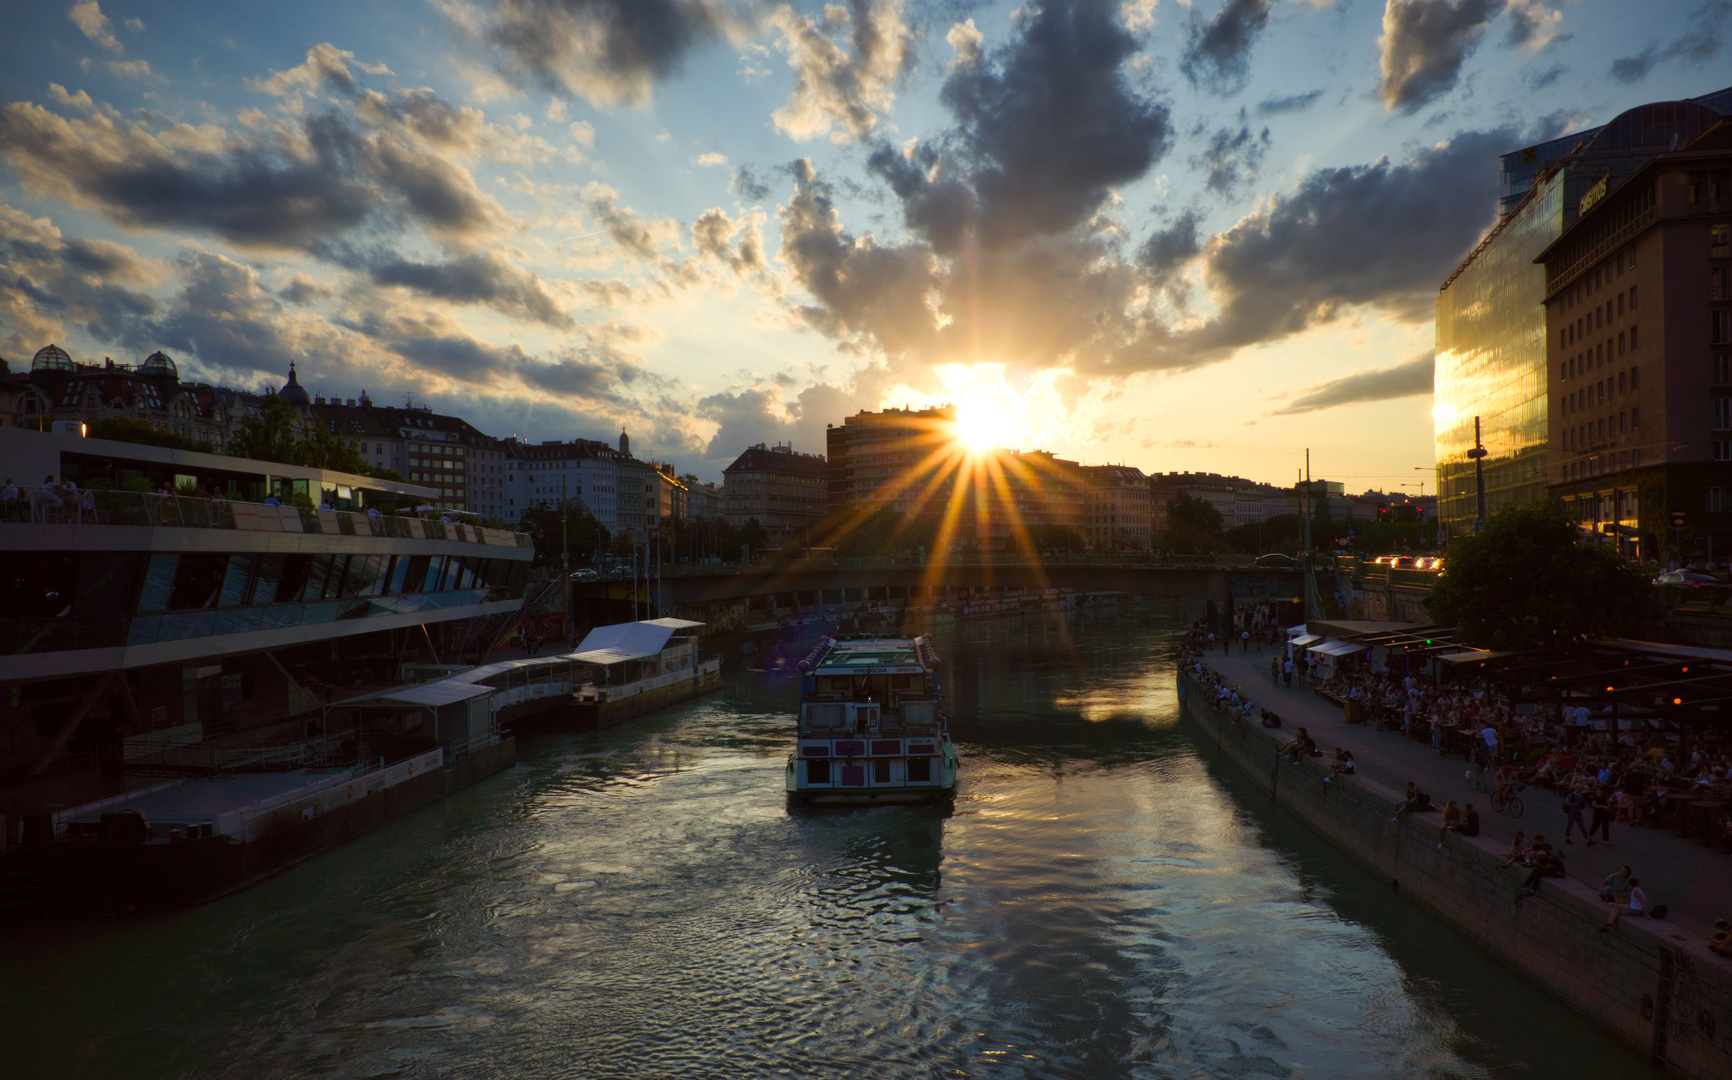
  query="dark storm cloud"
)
[
  {"x": 1702, "y": 43},
  {"x": 1424, "y": 44},
  {"x": 1046, "y": 127},
  {"x": 606, "y": 51},
  {"x": 1407, "y": 379},
  {"x": 1231, "y": 158},
  {"x": 1385, "y": 234},
  {"x": 1290, "y": 104},
  {"x": 1547, "y": 77},
  {"x": 334, "y": 173},
  {"x": 486, "y": 279},
  {"x": 1164, "y": 255},
  {"x": 1218, "y": 54}
]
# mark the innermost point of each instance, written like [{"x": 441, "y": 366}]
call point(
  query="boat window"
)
[
  {"x": 238, "y": 578},
  {"x": 38, "y": 585},
  {"x": 318, "y": 570},
  {"x": 158, "y": 580},
  {"x": 818, "y": 771},
  {"x": 197, "y": 580},
  {"x": 920, "y": 770},
  {"x": 293, "y": 578},
  {"x": 265, "y": 585},
  {"x": 881, "y": 771}
]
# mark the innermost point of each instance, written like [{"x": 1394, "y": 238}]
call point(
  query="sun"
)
[{"x": 982, "y": 422}]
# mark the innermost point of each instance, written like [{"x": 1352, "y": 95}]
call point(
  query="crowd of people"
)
[{"x": 1632, "y": 778}]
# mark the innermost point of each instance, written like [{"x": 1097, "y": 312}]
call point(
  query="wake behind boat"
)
[{"x": 871, "y": 727}]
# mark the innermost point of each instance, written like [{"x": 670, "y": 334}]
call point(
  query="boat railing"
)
[{"x": 101, "y": 506}]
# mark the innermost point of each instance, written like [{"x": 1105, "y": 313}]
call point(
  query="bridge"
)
[{"x": 762, "y": 590}]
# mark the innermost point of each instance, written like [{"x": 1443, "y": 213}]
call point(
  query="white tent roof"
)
[
  {"x": 1336, "y": 648},
  {"x": 1304, "y": 639},
  {"x": 628, "y": 641},
  {"x": 440, "y": 692}
]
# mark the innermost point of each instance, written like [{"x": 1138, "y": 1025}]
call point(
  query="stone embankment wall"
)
[{"x": 1645, "y": 982}]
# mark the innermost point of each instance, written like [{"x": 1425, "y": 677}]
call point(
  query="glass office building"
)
[
  {"x": 1491, "y": 315},
  {"x": 1491, "y": 364}
]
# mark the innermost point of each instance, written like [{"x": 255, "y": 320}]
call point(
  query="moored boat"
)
[{"x": 871, "y": 726}]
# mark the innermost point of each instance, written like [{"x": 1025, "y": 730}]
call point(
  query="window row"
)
[
  {"x": 1596, "y": 393},
  {"x": 1594, "y": 432},
  {"x": 196, "y": 580}
]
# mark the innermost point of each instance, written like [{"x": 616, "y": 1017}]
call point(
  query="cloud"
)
[
  {"x": 129, "y": 69},
  {"x": 1231, "y": 158},
  {"x": 582, "y": 133},
  {"x": 1406, "y": 379},
  {"x": 747, "y": 185},
  {"x": 1532, "y": 25},
  {"x": 93, "y": 24},
  {"x": 307, "y": 181},
  {"x": 606, "y": 51},
  {"x": 325, "y": 65},
  {"x": 841, "y": 92},
  {"x": 713, "y": 160},
  {"x": 1424, "y": 44},
  {"x": 1218, "y": 54},
  {"x": 1290, "y": 104},
  {"x": 1046, "y": 127},
  {"x": 51, "y": 284},
  {"x": 1300, "y": 259},
  {"x": 485, "y": 279},
  {"x": 1702, "y": 43}
]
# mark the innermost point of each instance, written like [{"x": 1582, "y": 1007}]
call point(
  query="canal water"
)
[{"x": 1102, "y": 902}]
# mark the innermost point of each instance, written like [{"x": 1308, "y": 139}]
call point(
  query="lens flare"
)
[{"x": 982, "y": 422}]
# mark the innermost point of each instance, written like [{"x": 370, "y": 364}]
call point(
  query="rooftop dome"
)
[
  {"x": 293, "y": 392},
  {"x": 159, "y": 363},
  {"x": 52, "y": 358}
]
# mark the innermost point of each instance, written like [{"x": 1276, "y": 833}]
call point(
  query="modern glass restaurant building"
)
[{"x": 1495, "y": 355}]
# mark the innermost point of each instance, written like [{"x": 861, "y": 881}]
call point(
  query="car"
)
[
  {"x": 1276, "y": 560},
  {"x": 1694, "y": 579},
  {"x": 585, "y": 574}
]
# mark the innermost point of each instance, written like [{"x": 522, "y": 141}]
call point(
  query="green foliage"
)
[
  {"x": 277, "y": 435},
  {"x": 587, "y": 535},
  {"x": 1193, "y": 525},
  {"x": 125, "y": 429},
  {"x": 1526, "y": 582}
]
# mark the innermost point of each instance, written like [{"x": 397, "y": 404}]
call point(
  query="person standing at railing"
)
[
  {"x": 9, "y": 496},
  {"x": 45, "y": 499}
]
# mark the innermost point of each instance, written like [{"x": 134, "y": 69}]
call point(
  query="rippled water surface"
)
[{"x": 1101, "y": 903}]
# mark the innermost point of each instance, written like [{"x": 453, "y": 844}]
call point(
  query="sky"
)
[{"x": 1181, "y": 236}]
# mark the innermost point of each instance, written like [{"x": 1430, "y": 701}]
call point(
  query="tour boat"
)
[{"x": 871, "y": 727}]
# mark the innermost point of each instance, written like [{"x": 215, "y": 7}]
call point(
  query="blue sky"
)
[{"x": 1182, "y": 236}]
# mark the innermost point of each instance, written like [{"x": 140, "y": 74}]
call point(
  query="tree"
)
[
  {"x": 1193, "y": 525},
  {"x": 126, "y": 429},
  {"x": 542, "y": 521},
  {"x": 272, "y": 435},
  {"x": 1526, "y": 582}
]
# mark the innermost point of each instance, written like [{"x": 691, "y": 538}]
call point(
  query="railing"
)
[
  {"x": 779, "y": 565},
  {"x": 92, "y": 506}
]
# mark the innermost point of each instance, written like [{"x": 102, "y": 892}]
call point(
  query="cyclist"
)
[{"x": 1503, "y": 785}]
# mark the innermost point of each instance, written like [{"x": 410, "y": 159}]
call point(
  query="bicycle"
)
[{"x": 1506, "y": 801}]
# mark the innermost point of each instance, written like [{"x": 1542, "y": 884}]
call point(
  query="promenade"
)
[{"x": 1693, "y": 880}]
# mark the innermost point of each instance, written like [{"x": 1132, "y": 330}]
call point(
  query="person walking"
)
[
  {"x": 1287, "y": 673},
  {"x": 1274, "y": 671},
  {"x": 1245, "y": 642},
  {"x": 1573, "y": 805},
  {"x": 1601, "y": 804}
]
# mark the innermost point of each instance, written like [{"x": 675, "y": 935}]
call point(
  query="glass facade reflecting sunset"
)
[{"x": 1491, "y": 362}]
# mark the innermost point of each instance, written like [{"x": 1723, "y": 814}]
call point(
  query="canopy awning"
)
[
  {"x": 441, "y": 692},
  {"x": 1336, "y": 648},
  {"x": 628, "y": 641},
  {"x": 1303, "y": 640}
]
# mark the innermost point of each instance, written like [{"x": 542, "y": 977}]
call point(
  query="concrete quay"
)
[{"x": 1651, "y": 982}]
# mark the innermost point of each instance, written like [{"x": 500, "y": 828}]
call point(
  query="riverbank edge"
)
[{"x": 1667, "y": 996}]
